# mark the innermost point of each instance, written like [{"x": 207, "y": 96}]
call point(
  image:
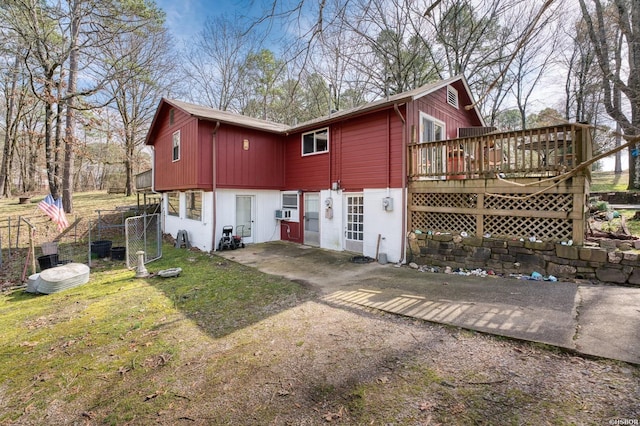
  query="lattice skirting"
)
[
  {"x": 544, "y": 229},
  {"x": 479, "y": 215},
  {"x": 443, "y": 222}
]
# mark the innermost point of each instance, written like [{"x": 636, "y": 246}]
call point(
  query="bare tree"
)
[
  {"x": 136, "y": 90},
  {"x": 619, "y": 60},
  {"x": 532, "y": 60},
  {"x": 214, "y": 63}
]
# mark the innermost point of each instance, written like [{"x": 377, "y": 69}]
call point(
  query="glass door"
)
[
  {"x": 244, "y": 218},
  {"x": 312, "y": 218}
]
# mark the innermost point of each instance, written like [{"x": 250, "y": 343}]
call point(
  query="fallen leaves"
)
[
  {"x": 329, "y": 416},
  {"x": 383, "y": 380}
]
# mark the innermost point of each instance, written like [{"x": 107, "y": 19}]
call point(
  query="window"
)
[
  {"x": 172, "y": 113},
  {"x": 173, "y": 203},
  {"x": 430, "y": 129},
  {"x": 315, "y": 142},
  {"x": 452, "y": 96},
  {"x": 194, "y": 205},
  {"x": 431, "y": 158},
  {"x": 176, "y": 145}
]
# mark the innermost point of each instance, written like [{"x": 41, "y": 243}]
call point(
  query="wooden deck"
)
[
  {"x": 514, "y": 185},
  {"x": 541, "y": 152}
]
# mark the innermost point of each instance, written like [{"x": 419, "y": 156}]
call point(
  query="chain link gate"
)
[{"x": 143, "y": 233}]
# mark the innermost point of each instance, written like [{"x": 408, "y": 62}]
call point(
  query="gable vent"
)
[{"x": 452, "y": 96}]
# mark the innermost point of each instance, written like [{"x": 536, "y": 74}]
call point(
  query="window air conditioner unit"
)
[{"x": 283, "y": 214}]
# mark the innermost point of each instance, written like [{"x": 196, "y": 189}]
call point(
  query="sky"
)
[{"x": 186, "y": 17}]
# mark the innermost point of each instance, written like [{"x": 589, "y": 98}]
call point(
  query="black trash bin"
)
[
  {"x": 118, "y": 253},
  {"x": 48, "y": 261},
  {"x": 101, "y": 248}
]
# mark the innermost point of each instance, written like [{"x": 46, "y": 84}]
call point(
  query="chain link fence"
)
[
  {"x": 143, "y": 233},
  {"x": 32, "y": 242}
]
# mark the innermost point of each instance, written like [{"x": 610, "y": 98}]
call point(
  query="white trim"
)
[
  {"x": 173, "y": 146},
  {"x": 452, "y": 96},
  {"x": 435, "y": 121},
  {"x": 315, "y": 144}
]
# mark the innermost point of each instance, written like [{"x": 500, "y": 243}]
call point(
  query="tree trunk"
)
[
  {"x": 9, "y": 136},
  {"x": 618, "y": 157},
  {"x": 69, "y": 154},
  {"x": 49, "y": 145}
]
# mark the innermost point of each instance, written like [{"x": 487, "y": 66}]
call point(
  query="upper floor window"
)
[
  {"x": 430, "y": 158},
  {"x": 194, "y": 205},
  {"x": 172, "y": 113},
  {"x": 176, "y": 145},
  {"x": 431, "y": 129},
  {"x": 452, "y": 96},
  {"x": 173, "y": 203},
  {"x": 315, "y": 142}
]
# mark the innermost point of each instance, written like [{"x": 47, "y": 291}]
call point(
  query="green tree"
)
[{"x": 263, "y": 84}]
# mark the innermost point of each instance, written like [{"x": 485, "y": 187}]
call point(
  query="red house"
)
[{"x": 338, "y": 182}]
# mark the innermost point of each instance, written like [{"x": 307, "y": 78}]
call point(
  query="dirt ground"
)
[
  {"x": 312, "y": 362},
  {"x": 318, "y": 363}
]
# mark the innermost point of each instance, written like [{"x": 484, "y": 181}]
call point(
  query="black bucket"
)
[
  {"x": 48, "y": 261},
  {"x": 101, "y": 248},
  {"x": 118, "y": 253}
]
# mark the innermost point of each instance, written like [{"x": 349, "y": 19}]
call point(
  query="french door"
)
[{"x": 354, "y": 223}]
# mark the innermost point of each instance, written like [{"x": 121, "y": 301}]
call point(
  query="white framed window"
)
[
  {"x": 173, "y": 203},
  {"x": 431, "y": 158},
  {"x": 452, "y": 96},
  {"x": 431, "y": 129},
  {"x": 194, "y": 205},
  {"x": 176, "y": 146},
  {"x": 315, "y": 142}
]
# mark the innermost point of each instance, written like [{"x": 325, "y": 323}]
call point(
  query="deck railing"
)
[
  {"x": 143, "y": 180},
  {"x": 545, "y": 151}
]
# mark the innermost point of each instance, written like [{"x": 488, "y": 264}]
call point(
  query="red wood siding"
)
[
  {"x": 309, "y": 172},
  {"x": 259, "y": 167},
  {"x": 435, "y": 104},
  {"x": 181, "y": 174},
  {"x": 364, "y": 152},
  {"x": 370, "y": 153}
]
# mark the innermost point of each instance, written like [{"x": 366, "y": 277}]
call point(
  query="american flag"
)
[{"x": 53, "y": 209}]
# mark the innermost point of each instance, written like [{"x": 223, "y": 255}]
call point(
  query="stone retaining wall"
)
[
  {"x": 622, "y": 197},
  {"x": 611, "y": 261}
]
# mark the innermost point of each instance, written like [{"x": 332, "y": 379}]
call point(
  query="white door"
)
[
  {"x": 354, "y": 225},
  {"x": 244, "y": 217},
  {"x": 312, "y": 218}
]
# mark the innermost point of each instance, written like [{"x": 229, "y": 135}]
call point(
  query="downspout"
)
[
  {"x": 403, "y": 242},
  {"x": 388, "y": 154},
  {"x": 213, "y": 184}
]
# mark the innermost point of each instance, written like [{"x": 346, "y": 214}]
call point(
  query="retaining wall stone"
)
[{"x": 604, "y": 262}]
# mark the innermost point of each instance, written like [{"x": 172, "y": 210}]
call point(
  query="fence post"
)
[
  {"x": 9, "y": 235},
  {"x": 18, "y": 233},
  {"x": 89, "y": 250}
]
